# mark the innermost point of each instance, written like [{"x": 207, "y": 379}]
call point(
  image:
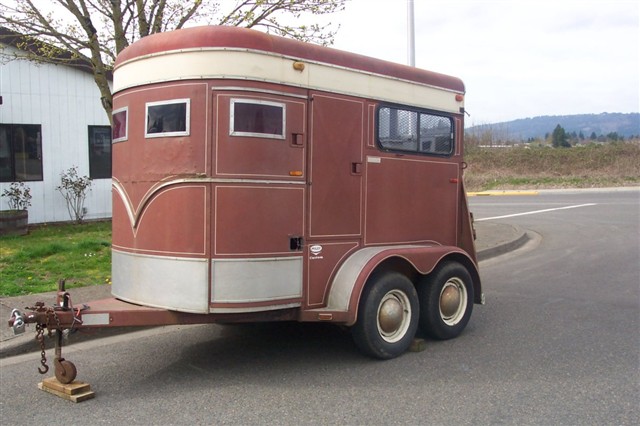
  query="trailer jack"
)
[
  {"x": 60, "y": 318},
  {"x": 63, "y": 317},
  {"x": 46, "y": 318}
]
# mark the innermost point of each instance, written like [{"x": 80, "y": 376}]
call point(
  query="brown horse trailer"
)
[{"x": 258, "y": 178}]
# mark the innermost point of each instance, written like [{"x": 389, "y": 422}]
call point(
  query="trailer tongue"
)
[{"x": 105, "y": 313}]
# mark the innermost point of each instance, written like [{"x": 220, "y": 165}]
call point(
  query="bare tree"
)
[{"x": 95, "y": 31}]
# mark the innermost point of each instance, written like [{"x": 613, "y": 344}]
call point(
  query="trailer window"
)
[
  {"x": 119, "y": 129},
  {"x": 167, "y": 118},
  {"x": 414, "y": 131},
  {"x": 255, "y": 118},
  {"x": 398, "y": 129}
]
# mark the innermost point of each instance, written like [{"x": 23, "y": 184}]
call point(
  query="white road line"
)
[{"x": 535, "y": 212}]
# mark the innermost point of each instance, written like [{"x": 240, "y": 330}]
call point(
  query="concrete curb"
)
[
  {"x": 500, "y": 193},
  {"x": 501, "y": 249},
  {"x": 494, "y": 239}
]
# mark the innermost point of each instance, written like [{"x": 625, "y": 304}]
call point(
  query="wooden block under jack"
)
[{"x": 75, "y": 391}]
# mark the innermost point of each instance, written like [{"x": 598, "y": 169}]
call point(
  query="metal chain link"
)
[
  {"x": 40, "y": 336},
  {"x": 43, "y": 359}
]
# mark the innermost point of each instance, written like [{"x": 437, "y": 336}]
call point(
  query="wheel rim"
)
[
  {"x": 394, "y": 316},
  {"x": 453, "y": 301}
]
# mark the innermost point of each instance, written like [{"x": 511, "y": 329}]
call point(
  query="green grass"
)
[{"x": 80, "y": 254}]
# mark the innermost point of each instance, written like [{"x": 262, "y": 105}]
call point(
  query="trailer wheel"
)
[
  {"x": 446, "y": 301},
  {"x": 387, "y": 316}
]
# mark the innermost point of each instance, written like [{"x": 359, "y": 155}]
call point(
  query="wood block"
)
[
  {"x": 418, "y": 345},
  {"x": 75, "y": 391},
  {"x": 72, "y": 388}
]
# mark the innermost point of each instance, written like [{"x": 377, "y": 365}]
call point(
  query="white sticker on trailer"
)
[
  {"x": 376, "y": 160},
  {"x": 95, "y": 319}
]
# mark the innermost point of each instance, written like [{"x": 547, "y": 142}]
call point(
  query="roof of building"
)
[{"x": 31, "y": 45}]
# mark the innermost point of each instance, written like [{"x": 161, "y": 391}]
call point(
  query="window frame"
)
[
  {"x": 12, "y": 153},
  {"x": 126, "y": 125},
  {"x": 187, "y": 118},
  {"x": 233, "y": 132},
  {"x": 90, "y": 139},
  {"x": 419, "y": 114}
]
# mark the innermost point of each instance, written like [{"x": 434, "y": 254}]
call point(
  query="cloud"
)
[{"x": 518, "y": 58}]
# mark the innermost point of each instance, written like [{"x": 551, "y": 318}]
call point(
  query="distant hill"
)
[{"x": 537, "y": 127}]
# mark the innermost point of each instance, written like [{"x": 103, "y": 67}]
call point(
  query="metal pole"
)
[{"x": 411, "y": 34}]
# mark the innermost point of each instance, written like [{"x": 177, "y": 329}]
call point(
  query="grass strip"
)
[{"x": 80, "y": 254}]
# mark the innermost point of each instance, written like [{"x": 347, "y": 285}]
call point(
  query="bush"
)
[
  {"x": 19, "y": 196},
  {"x": 74, "y": 189}
]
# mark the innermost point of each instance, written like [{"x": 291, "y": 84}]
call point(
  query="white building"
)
[{"x": 51, "y": 119}]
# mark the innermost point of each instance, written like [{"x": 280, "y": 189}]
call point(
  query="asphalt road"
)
[{"x": 557, "y": 343}]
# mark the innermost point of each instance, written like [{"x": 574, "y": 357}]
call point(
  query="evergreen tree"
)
[
  {"x": 613, "y": 136},
  {"x": 559, "y": 138}
]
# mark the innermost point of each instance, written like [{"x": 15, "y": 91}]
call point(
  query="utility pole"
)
[{"x": 411, "y": 35}]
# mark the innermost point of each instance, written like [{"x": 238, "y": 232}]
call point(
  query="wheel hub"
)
[
  {"x": 450, "y": 301},
  {"x": 390, "y": 315}
]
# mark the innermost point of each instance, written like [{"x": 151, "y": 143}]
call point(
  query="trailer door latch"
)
[{"x": 295, "y": 243}]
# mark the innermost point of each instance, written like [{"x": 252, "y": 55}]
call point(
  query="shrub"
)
[
  {"x": 74, "y": 189},
  {"x": 19, "y": 196}
]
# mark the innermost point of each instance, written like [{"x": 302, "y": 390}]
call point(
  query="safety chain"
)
[
  {"x": 43, "y": 354},
  {"x": 40, "y": 333}
]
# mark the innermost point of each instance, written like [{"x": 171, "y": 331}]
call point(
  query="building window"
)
[
  {"x": 120, "y": 128},
  {"x": 254, "y": 118},
  {"x": 100, "y": 152},
  {"x": 414, "y": 131},
  {"x": 20, "y": 152},
  {"x": 167, "y": 118}
]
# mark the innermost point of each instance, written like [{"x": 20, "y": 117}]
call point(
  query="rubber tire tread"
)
[
  {"x": 429, "y": 290},
  {"x": 365, "y": 331}
]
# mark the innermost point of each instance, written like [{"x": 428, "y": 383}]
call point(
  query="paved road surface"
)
[{"x": 557, "y": 343}]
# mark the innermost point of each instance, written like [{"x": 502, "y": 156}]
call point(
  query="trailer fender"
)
[{"x": 352, "y": 276}]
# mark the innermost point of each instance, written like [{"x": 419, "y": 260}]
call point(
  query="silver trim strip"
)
[
  {"x": 252, "y": 280},
  {"x": 174, "y": 283},
  {"x": 345, "y": 279}
]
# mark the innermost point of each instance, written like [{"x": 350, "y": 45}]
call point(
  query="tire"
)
[
  {"x": 388, "y": 315},
  {"x": 446, "y": 301}
]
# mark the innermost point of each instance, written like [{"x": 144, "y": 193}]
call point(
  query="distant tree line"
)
[
  {"x": 498, "y": 136},
  {"x": 562, "y": 139}
]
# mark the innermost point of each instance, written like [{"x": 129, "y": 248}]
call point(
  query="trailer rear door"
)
[
  {"x": 258, "y": 200},
  {"x": 335, "y": 187}
]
